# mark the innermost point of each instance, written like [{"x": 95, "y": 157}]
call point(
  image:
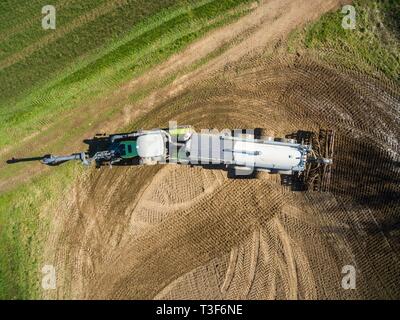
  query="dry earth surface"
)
[{"x": 170, "y": 232}]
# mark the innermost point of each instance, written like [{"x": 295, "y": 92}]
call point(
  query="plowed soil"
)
[{"x": 176, "y": 232}]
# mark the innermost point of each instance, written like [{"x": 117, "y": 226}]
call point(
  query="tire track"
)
[
  {"x": 230, "y": 272},
  {"x": 289, "y": 257}
]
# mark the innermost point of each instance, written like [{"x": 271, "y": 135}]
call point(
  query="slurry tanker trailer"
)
[{"x": 304, "y": 156}]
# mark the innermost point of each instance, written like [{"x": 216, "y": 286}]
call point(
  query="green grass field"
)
[
  {"x": 371, "y": 48},
  {"x": 23, "y": 226},
  {"x": 106, "y": 20},
  {"x": 77, "y": 73},
  {"x": 97, "y": 46}
]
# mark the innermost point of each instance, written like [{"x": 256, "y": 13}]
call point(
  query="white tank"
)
[{"x": 269, "y": 156}]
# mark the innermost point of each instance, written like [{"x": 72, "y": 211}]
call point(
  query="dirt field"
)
[{"x": 179, "y": 232}]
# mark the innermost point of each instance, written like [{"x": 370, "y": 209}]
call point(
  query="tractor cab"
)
[
  {"x": 149, "y": 148},
  {"x": 126, "y": 149}
]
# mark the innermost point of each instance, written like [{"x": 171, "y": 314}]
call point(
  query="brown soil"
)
[{"x": 180, "y": 232}]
